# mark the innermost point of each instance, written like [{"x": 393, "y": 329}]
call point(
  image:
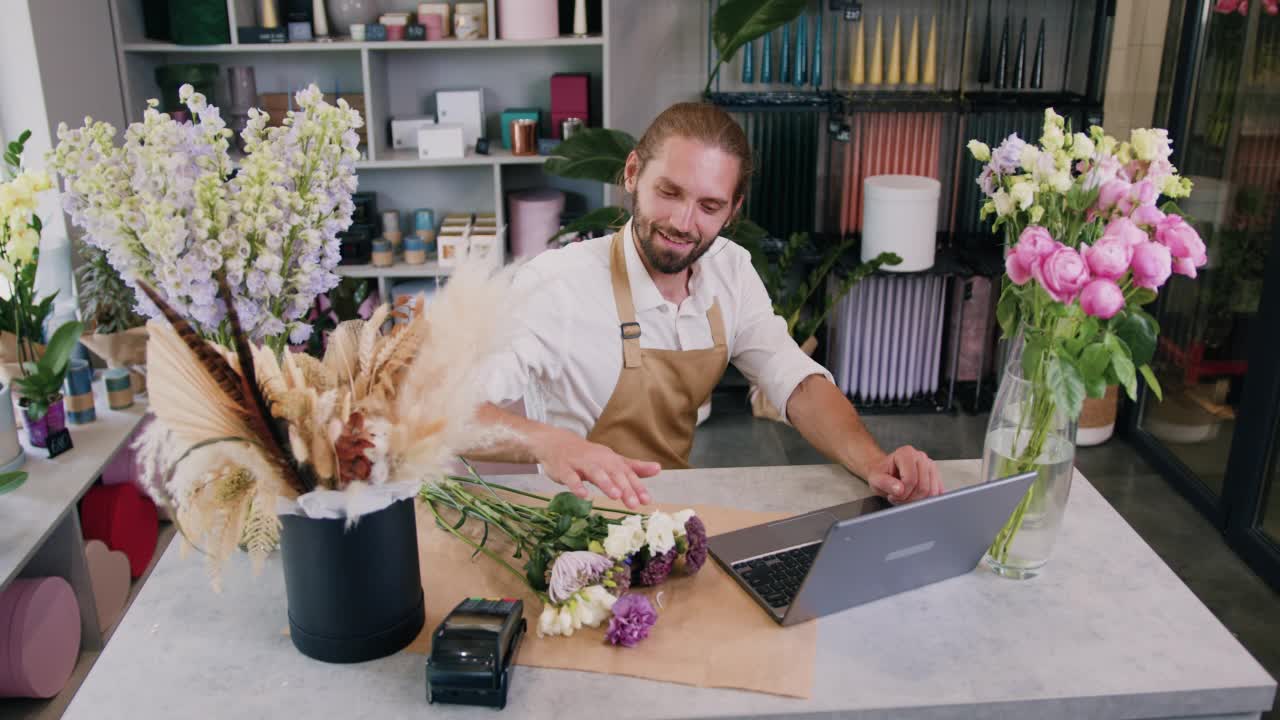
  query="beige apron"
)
[{"x": 654, "y": 407}]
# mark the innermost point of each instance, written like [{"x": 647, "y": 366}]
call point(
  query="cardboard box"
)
[
  {"x": 404, "y": 131},
  {"x": 465, "y": 108},
  {"x": 442, "y": 142}
]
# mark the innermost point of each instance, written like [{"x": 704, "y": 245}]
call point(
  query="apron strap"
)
[
  {"x": 716, "y": 319},
  {"x": 628, "y": 327}
]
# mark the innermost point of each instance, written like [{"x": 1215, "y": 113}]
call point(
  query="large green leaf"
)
[
  {"x": 1122, "y": 364},
  {"x": 605, "y": 218},
  {"x": 592, "y": 154},
  {"x": 1093, "y": 366},
  {"x": 57, "y": 354},
  {"x": 1066, "y": 384},
  {"x": 738, "y": 22},
  {"x": 1139, "y": 334},
  {"x": 1151, "y": 381}
]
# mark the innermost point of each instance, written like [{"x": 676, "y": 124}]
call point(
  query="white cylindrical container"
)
[
  {"x": 528, "y": 19},
  {"x": 901, "y": 216},
  {"x": 535, "y": 217}
]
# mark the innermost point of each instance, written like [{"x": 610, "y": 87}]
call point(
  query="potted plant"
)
[
  {"x": 115, "y": 331},
  {"x": 41, "y": 385},
  {"x": 22, "y": 317}
]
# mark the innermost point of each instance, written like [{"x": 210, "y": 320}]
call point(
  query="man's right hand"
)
[{"x": 574, "y": 461}]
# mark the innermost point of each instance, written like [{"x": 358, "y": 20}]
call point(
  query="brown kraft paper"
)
[{"x": 709, "y": 633}]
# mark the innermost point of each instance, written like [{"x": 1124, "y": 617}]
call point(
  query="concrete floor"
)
[{"x": 1185, "y": 540}]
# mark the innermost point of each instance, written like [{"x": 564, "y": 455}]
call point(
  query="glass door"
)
[{"x": 1214, "y": 432}]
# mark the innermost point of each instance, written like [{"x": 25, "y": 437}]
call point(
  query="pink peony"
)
[
  {"x": 1033, "y": 245},
  {"x": 1183, "y": 241},
  {"x": 1101, "y": 299},
  {"x": 1062, "y": 274},
  {"x": 1272, "y": 7},
  {"x": 1151, "y": 265},
  {"x": 1123, "y": 230},
  {"x": 1115, "y": 194},
  {"x": 1149, "y": 215},
  {"x": 1018, "y": 273},
  {"x": 1184, "y": 266},
  {"x": 1108, "y": 259},
  {"x": 1144, "y": 193}
]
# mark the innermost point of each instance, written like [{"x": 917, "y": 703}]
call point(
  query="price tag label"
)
[{"x": 59, "y": 442}]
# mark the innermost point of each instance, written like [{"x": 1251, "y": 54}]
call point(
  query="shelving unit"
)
[
  {"x": 399, "y": 79},
  {"x": 43, "y": 535}
]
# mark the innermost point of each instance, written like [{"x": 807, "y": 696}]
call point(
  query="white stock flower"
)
[
  {"x": 624, "y": 538},
  {"x": 1061, "y": 181},
  {"x": 1037, "y": 212},
  {"x": 660, "y": 532},
  {"x": 1150, "y": 144},
  {"x": 980, "y": 150},
  {"x": 1053, "y": 119},
  {"x": 591, "y": 606},
  {"x": 1053, "y": 137},
  {"x": 1029, "y": 158}
]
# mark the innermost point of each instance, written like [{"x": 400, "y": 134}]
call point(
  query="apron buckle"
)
[{"x": 628, "y": 333}]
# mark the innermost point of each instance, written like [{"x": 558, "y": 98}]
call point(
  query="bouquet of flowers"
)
[
  {"x": 168, "y": 212},
  {"x": 1086, "y": 247},
  {"x": 579, "y": 561}
]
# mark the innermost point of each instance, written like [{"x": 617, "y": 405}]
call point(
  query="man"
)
[{"x": 625, "y": 337}]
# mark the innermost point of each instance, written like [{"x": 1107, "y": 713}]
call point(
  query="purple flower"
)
[
  {"x": 655, "y": 571},
  {"x": 633, "y": 615},
  {"x": 696, "y": 535},
  {"x": 621, "y": 577},
  {"x": 1006, "y": 158}
]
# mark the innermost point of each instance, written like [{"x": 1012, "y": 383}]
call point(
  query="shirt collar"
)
[{"x": 644, "y": 293}]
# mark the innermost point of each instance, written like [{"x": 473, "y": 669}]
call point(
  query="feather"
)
[
  {"x": 270, "y": 433},
  {"x": 203, "y": 410},
  {"x": 213, "y": 361},
  {"x": 340, "y": 356},
  {"x": 369, "y": 336}
]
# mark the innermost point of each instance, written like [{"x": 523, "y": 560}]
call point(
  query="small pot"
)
[
  {"x": 1098, "y": 418},
  {"x": 12, "y": 456},
  {"x": 354, "y": 594},
  {"x": 39, "y": 429}
]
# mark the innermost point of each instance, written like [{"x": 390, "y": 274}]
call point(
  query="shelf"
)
[
  {"x": 399, "y": 270},
  {"x": 407, "y": 159},
  {"x": 153, "y": 46}
]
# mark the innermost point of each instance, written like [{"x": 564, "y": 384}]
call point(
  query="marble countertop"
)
[{"x": 1108, "y": 631}]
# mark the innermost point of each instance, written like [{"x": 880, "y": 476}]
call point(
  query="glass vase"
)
[{"x": 1028, "y": 432}]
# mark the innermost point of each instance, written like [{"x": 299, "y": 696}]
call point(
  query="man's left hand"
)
[{"x": 905, "y": 475}]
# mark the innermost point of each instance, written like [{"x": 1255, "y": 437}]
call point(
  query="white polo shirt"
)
[{"x": 566, "y": 357}]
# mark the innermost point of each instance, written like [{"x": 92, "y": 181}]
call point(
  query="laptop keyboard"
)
[{"x": 777, "y": 577}]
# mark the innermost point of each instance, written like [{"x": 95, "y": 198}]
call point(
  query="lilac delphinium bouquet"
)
[{"x": 167, "y": 209}]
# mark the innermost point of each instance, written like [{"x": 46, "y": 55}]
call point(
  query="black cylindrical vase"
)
[{"x": 354, "y": 595}]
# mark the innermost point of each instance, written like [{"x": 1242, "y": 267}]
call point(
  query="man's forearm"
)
[
  {"x": 525, "y": 443},
  {"x": 826, "y": 418}
]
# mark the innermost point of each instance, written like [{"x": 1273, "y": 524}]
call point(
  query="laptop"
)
[{"x": 832, "y": 559}]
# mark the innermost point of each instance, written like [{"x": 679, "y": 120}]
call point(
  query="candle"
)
[
  {"x": 858, "y": 61},
  {"x": 931, "y": 54},
  {"x": 382, "y": 255},
  {"x": 913, "y": 54},
  {"x": 876, "y": 76},
  {"x": 119, "y": 388}
]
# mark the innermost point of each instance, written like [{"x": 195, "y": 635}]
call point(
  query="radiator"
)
[{"x": 885, "y": 339}]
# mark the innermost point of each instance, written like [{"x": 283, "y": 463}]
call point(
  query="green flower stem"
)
[
  {"x": 477, "y": 546},
  {"x": 533, "y": 496}
]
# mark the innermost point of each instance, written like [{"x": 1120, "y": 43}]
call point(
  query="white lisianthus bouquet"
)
[
  {"x": 579, "y": 561},
  {"x": 1086, "y": 246},
  {"x": 167, "y": 209}
]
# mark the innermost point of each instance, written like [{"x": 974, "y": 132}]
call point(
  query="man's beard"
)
[{"x": 661, "y": 258}]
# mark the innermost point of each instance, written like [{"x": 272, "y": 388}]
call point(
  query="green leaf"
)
[
  {"x": 1122, "y": 364},
  {"x": 746, "y": 233},
  {"x": 1143, "y": 296},
  {"x": 57, "y": 354},
  {"x": 592, "y": 154},
  {"x": 1139, "y": 335},
  {"x": 569, "y": 505},
  {"x": 536, "y": 569},
  {"x": 1066, "y": 384},
  {"x": 11, "y": 480},
  {"x": 738, "y": 22},
  {"x": 1007, "y": 310},
  {"x": 1093, "y": 366},
  {"x": 605, "y": 218},
  {"x": 1151, "y": 381},
  {"x": 1033, "y": 352}
]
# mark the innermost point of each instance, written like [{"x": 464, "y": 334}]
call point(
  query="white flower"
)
[
  {"x": 1082, "y": 147},
  {"x": 1053, "y": 137},
  {"x": 548, "y": 621},
  {"x": 1061, "y": 181},
  {"x": 1150, "y": 144},
  {"x": 1024, "y": 194},
  {"x": 1053, "y": 119},
  {"x": 681, "y": 518},
  {"x": 660, "y": 533},
  {"x": 1029, "y": 158},
  {"x": 1037, "y": 212},
  {"x": 625, "y": 538},
  {"x": 591, "y": 606},
  {"x": 980, "y": 151},
  {"x": 1003, "y": 203}
]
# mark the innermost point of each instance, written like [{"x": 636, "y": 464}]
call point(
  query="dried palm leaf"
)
[{"x": 203, "y": 410}]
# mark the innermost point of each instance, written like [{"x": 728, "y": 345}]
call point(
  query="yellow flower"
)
[
  {"x": 1037, "y": 212},
  {"x": 1024, "y": 194},
  {"x": 22, "y": 244},
  {"x": 1081, "y": 147}
]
